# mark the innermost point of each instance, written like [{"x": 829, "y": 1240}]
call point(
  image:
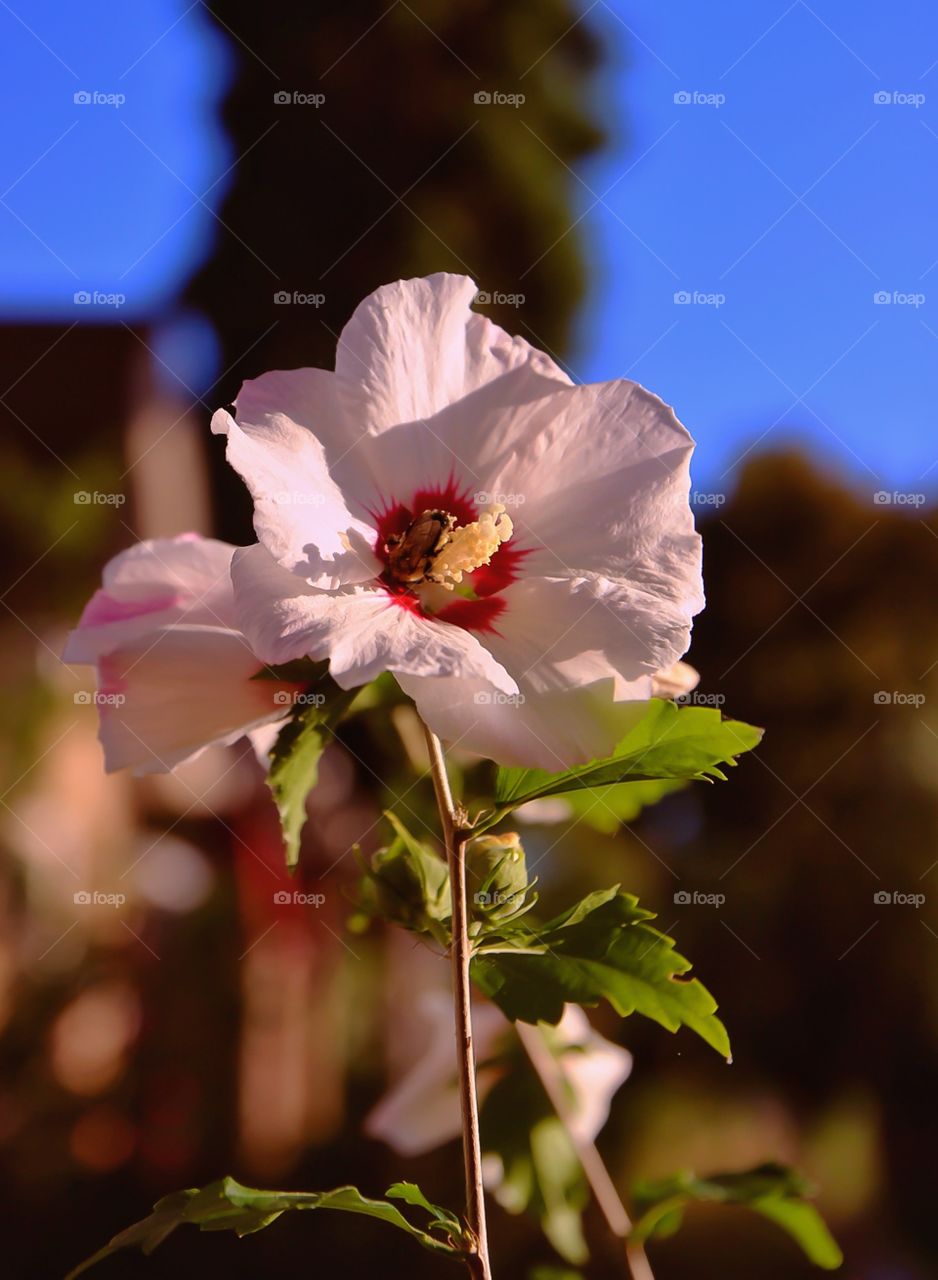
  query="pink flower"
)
[
  {"x": 449, "y": 507},
  {"x": 173, "y": 672}
]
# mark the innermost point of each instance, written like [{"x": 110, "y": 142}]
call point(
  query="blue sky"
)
[{"x": 775, "y": 196}]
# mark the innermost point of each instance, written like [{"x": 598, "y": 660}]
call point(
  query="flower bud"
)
[{"x": 496, "y": 874}]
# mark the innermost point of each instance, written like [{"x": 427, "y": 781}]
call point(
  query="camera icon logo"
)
[
  {"x": 881, "y": 698},
  {"x": 682, "y": 97},
  {"x": 682, "y": 897},
  {"x": 282, "y": 98},
  {"x": 282, "y": 897},
  {"x": 83, "y": 698},
  {"x": 281, "y": 298},
  {"x": 82, "y": 297},
  {"x": 882, "y": 897},
  {"x": 81, "y": 98},
  {"x": 882, "y": 498},
  {"x": 482, "y": 98},
  {"x": 882, "y": 98},
  {"x": 682, "y": 297},
  {"x": 482, "y": 299},
  {"x": 82, "y": 898},
  {"x": 882, "y": 298}
]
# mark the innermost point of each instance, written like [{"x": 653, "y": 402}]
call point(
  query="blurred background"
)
[{"x": 733, "y": 204}]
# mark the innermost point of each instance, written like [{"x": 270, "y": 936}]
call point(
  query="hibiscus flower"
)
[
  {"x": 174, "y": 674},
  {"x": 447, "y": 506},
  {"x": 421, "y": 1111}
]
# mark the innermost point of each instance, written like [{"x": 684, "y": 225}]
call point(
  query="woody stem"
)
[{"x": 455, "y": 837}]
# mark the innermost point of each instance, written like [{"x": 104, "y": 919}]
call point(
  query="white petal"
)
[
  {"x": 413, "y": 347},
  {"x": 421, "y": 1111},
  {"x": 300, "y": 513},
  {"x": 606, "y": 490},
  {"x": 675, "y": 681},
  {"x": 537, "y": 730},
  {"x": 594, "y": 1069},
  {"x": 362, "y": 632},
  {"x": 167, "y": 696},
  {"x": 153, "y": 584}
]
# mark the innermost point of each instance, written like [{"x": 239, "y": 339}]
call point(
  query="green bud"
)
[
  {"x": 409, "y": 885},
  {"x": 497, "y": 875}
]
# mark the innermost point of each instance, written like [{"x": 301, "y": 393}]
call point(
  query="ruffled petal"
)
[
  {"x": 300, "y": 513},
  {"x": 413, "y": 347},
  {"x": 151, "y": 585},
  {"x": 362, "y": 632},
  {"x": 165, "y": 697},
  {"x": 533, "y": 729}
]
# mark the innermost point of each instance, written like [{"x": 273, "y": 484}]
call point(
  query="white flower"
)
[
  {"x": 448, "y": 506},
  {"x": 422, "y": 1112},
  {"x": 174, "y": 674}
]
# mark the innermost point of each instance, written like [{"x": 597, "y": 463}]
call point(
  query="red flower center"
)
[{"x": 478, "y": 602}]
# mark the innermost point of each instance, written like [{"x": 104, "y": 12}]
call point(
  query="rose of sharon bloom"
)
[
  {"x": 422, "y": 1111},
  {"x": 174, "y": 673},
  {"x": 449, "y": 507}
]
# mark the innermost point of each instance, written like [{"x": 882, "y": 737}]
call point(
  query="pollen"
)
[{"x": 469, "y": 546}]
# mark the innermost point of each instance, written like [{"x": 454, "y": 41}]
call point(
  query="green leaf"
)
[
  {"x": 772, "y": 1190},
  {"x": 669, "y": 742},
  {"x": 601, "y": 949},
  {"x": 228, "y": 1206},
  {"x": 408, "y": 882},
  {"x": 294, "y": 758},
  {"x": 605, "y": 809},
  {"x": 541, "y": 1173}
]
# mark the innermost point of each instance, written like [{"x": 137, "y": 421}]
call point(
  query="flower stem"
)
[
  {"x": 597, "y": 1175},
  {"x": 455, "y": 836}
]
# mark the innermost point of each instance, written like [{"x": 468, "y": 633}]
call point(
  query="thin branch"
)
[
  {"x": 604, "y": 1191},
  {"x": 455, "y": 837}
]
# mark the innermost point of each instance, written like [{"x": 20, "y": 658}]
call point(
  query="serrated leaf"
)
[
  {"x": 670, "y": 742},
  {"x": 605, "y": 809},
  {"x": 601, "y": 949},
  {"x": 772, "y": 1190},
  {"x": 294, "y": 759},
  {"x": 228, "y": 1206}
]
